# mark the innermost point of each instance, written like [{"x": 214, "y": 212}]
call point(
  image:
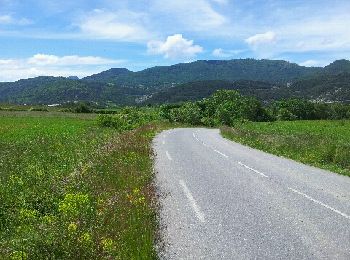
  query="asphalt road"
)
[{"x": 223, "y": 200}]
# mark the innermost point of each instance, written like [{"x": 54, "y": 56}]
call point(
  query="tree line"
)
[{"x": 226, "y": 107}]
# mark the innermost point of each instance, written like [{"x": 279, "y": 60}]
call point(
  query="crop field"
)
[
  {"x": 325, "y": 144},
  {"x": 70, "y": 189}
]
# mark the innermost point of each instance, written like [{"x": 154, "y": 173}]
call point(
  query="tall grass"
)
[
  {"x": 324, "y": 144},
  {"x": 72, "y": 190}
]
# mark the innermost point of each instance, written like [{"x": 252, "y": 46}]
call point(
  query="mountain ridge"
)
[{"x": 122, "y": 86}]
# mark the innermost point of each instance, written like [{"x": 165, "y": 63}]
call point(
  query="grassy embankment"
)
[
  {"x": 72, "y": 190},
  {"x": 324, "y": 144}
]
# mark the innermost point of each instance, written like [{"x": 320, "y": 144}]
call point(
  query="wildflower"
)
[
  {"x": 107, "y": 244},
  {"x": 74, "y": 204},
  {"x": 72, "y": 227},
  {"x": 27, "y": 214},
  {"x": 85, "y": 238},
  {"x": 47, "y": 219}
]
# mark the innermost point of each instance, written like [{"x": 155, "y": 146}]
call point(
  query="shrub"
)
[
  {"x": 83, "y": 108},
  {"x": 128, "y": 118}
]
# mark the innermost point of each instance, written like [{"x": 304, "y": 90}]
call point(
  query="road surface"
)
[{"x": 223, "y": 200}]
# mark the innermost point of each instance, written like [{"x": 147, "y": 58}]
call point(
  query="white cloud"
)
[
  {"x": 44, "y": 59},
  {"x": 320, "y": 27},
  {"x": 174, "y": 47},
  {"x": 199, "y": 16},
  {"x": 5, "y": 19},
  {"x": 121, "y": 25},
  {"x": 261, "y": 38},
  {"x": 220, "y": 53},
  {"x": 9, "y": 19},
  {"x": 321, "y": 34},
  {"x": 52, "y": 65},
  {"x": 314, "y": 63}
]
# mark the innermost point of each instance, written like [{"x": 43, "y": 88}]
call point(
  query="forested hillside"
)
[
  {"x": 57, "y": 90},
  {"x": 202, "y": 89},
  {"x": 267, "y": 80},
  {"x": 274, "y": 71}
]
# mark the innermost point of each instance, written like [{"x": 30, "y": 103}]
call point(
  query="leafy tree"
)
[{"x": 293, "y": 109}]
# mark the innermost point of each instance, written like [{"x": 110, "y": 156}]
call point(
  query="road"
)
[{"x": 223, "y": 200}]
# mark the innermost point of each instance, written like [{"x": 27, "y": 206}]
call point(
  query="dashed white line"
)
[
  {"x": 249, "y": 168},
  {"x": 168, "y": 155},
  {"x": 320, "y": 203},
  {"x": 220, "y": 153},
  {"x": 195, "y": 136},
  {"x": 163, "y": 142},
  {"x": 192, "y": 201}
]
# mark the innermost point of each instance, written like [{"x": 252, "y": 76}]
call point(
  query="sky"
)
[{"x": 82, "y": 37}]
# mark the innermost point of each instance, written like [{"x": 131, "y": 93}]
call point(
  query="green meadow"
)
[
  {"x": 322, "y": 143},
  {"x": 71, "y": 189}
]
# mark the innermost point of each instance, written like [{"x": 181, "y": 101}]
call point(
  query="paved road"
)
[{"x": 222, "y": 200}]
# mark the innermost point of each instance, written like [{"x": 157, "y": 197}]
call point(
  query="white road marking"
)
[
  {"x": 220, "y": 153},
  {"x": 163, "y": 142},
  {"x": 249, "y": 168},
  {"x": 320, "y": 203},
  {"x": 192, "y": 201},
  {"x": 168, "y": 155},
  {"x": 195, "y": 136}
]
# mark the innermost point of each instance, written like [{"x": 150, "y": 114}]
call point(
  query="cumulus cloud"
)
[
  {"x": 52, "y": 65},
  {"x": 121, "y": 25},
  {"x": 261, "y": 38},
  {"x": 174, "y": 47}
]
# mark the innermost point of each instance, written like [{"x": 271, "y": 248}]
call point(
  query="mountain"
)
[
  {"x": 324, "y": 87},
  {"x": 202, "y": 89},
  {"x": 108, "y": 75},
  {"x": 266, "y": 79},
  {"x": 337, "y": 67},
  {"x": 73, "y": 77},
  {"x": 53, "y": 90},
  {"x": 330, "y": 84},
  {"x": 274, "y": 71}
]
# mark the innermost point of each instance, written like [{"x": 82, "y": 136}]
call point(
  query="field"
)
[
  {"x": 325, "y": 144},
  {"x": 73, "y": 190}
]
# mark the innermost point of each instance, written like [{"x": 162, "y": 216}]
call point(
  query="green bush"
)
[
  {"x": 225, "y": 107},
  {"x": 128, "y": 118},
  {"x": 83, "y": 108}
]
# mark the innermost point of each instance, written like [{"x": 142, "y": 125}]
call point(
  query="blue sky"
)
[{"x": 52, "y": 37}]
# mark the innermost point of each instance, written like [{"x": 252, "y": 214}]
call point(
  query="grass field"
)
[
  {"x": 72, "y": 190},
  {"x": 325, "y": 144}
]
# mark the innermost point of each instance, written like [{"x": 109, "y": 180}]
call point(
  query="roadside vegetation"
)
[
  {"x": 73, "y": 190},
  {"x": 229, "y": 107},
  {"x": 325, "y": 144}
]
